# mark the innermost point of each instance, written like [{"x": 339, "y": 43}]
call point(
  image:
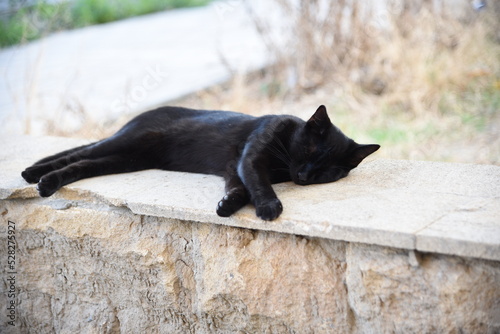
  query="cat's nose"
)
[{"x": 302, "y": 176}]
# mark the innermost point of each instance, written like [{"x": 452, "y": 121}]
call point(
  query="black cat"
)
[{"x": 251, "y": 153}]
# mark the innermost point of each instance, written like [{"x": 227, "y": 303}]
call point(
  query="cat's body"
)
[{"x": 251, "y": 153}]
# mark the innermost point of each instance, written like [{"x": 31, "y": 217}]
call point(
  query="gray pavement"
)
[{"x": 125, "y": 66}]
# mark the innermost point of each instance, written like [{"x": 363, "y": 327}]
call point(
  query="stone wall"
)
[
  {"x": 396, "y": 247},
  {"x": 87, "y": 267}
]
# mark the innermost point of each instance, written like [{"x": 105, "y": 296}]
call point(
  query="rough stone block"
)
[{"x": 93, "y": 268}]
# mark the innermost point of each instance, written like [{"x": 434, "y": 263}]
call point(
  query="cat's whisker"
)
[
  {"x": 280, "y": 157},
  {"x": 287, "y": 154},
  {"x": 281, "y": 152},
  {"x": 285, "y": 158},
  {"x": 285, "y": 169},
  {"x": 283, "y": 146}
]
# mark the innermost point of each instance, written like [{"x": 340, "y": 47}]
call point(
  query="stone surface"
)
[
  {"x": 87, "y": 268},
  {"x": 90, "y": 267},
  {"x": 427, "y": 206},
  {"x": 442, "y": 294}
]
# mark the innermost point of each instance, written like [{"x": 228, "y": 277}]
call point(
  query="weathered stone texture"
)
[
  {"x": 97, "y": 270},
  {"x": 392, "y": 293},
  {"x": 87, "y": 267}
]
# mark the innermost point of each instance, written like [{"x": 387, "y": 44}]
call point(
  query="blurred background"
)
[{"x": 419, "y": 77}]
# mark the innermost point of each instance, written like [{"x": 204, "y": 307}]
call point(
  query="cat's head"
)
[{"x": 321, "y": 153}]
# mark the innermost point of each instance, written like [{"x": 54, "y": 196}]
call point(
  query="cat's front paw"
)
[
  {"x": 231, "y": 203},
  {"x": 269, "y": 210},
  {"x": 48, "y": 185}
]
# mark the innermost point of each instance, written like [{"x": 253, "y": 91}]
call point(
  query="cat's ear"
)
[
  {"x": 319, "y": 122},
  {"x": 361, "y": 152}
]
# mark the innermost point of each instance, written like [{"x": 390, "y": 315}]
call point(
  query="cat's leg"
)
[
  {"x": 34, "y": 173},
  {"x": 236, "y": 196},
  {"x": 253, "y": 169},
  {"x": 107, "y": 147},
  {"x": 57, "y": 161},
  {"x": 62, "y": 154},
  {"x": 87, "y": 168},
  {"x": 267, "y": 204}
]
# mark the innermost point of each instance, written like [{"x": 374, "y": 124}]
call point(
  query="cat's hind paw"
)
[
  {"x": 30, "y": 175},
  {"x": 48, "y": 185},
  {"x": 269, "y": 210}
]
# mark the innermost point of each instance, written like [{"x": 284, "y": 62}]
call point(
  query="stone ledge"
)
[{"x": 425, "y": 206}]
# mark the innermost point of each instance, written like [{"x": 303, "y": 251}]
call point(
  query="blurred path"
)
[{"x": 125, "y": 66}]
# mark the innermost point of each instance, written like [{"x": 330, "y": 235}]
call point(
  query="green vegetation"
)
[{"x": 32, "y": 22}]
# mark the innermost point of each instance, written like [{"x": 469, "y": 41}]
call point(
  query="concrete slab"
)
[
  {"x": 471, "y": 230},
  {"x": 425, "y": 206}
]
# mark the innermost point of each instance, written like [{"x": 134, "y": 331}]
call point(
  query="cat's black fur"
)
[{"x": 251, "y": 153}]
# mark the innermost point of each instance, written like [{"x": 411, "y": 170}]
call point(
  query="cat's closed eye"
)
[{"x": 309, "y": 149}]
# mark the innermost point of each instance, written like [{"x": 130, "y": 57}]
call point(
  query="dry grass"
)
[
  {"x": 422, "y": 81},
  {"x": 409, "y": 57},
  {"x": 74, "y": 121}
]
